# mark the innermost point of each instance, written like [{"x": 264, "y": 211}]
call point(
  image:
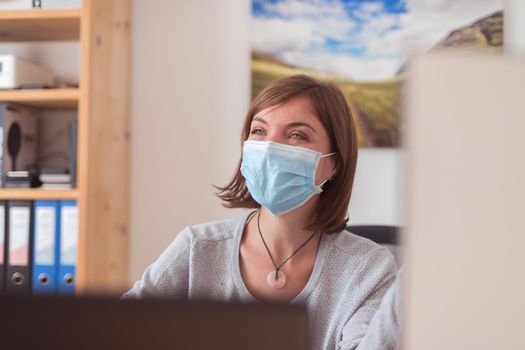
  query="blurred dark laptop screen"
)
[{"x": 93, "y": 323}]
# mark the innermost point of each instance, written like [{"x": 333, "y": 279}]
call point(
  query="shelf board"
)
[
  {"x": 43, "y": 98},
  {"x": 36, "y": 193},
  {"x": 39, "y": 25}
]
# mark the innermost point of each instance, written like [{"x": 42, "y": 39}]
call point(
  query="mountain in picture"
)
[{"x": 484, "y": 34}]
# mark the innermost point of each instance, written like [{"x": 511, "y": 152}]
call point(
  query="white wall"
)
[
  {"x": 190, "y": 92},
  {"x": 377, "y": 196}
]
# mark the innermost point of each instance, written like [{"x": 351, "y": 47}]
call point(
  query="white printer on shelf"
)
[{"x": 17, "y": 72}]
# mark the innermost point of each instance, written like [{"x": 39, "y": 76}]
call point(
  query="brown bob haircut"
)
[{"x": 333, "y": 111}]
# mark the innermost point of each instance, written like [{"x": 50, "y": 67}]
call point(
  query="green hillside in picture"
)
[{"x": 375, "y": 106}]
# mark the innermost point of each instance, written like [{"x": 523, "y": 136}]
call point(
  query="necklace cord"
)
[{"x": 278, "y": 267}]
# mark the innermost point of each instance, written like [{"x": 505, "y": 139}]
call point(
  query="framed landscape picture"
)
[{"x": 363, "y": 47}]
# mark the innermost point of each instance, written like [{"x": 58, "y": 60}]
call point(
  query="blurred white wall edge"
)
[
  {"x": 465, "y": 239},
  {"x": 514, "y": 22}
]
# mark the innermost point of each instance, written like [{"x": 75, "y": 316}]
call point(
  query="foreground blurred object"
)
[
  {"x": 74, "y": 323},
  {"x": 466, "y": 176}
]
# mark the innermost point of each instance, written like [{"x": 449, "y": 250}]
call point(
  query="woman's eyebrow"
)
[
  {"x": 296, "y": 124},
  {"x": 260, "y": 119},
  {"x": 291, "y": 125}
]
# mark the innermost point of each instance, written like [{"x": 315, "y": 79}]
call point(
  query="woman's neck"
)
[{"x": 284, "y": 234}]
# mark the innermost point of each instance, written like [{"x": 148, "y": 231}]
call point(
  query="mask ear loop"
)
[
  {"x": 329, "y": 154},
  {"x": 331, "y": 177},
  {"x": 322, "y": 184}
]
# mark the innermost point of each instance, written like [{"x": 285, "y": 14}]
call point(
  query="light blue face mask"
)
[{"x": 280, "y": 177}]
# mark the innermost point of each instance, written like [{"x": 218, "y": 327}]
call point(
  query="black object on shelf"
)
[{"x": 14, "y": 142}]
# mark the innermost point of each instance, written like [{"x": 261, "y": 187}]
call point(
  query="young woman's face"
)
[{"x": 295, "y": 123}]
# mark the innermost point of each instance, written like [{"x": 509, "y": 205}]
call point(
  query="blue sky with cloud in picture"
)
[{"x": 361, "y": 40}]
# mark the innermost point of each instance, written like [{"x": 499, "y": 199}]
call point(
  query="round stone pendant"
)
[{"x": 276, "y": 282}]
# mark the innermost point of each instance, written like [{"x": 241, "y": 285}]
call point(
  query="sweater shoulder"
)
[
  {"x": 218, "y": 230},
  {"x": 360, "y": 247},
  {"x": 350, "y": 242}
]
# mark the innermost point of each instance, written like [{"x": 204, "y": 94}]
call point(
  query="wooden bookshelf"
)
[
  {"x": 36, "y": 194},
  {"x": 40, "y": 25},
  {"x": 43, "y": 98},
  {"x": 102, "y": 103}
]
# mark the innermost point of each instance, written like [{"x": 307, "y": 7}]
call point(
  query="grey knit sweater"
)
[{"x": 350, "y": 276}]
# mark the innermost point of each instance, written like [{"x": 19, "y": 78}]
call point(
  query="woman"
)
[{"x": 297, "y": 170}]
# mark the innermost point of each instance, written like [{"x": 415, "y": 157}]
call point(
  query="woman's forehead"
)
[{"x": 299, "y": 109}]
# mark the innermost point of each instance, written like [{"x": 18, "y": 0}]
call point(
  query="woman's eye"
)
[
  {"x": 297, "y": 136},
  {"x": 256, "y": 132}
]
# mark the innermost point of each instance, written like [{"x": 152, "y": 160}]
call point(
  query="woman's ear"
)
[{"x": 337, "y": 163}]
